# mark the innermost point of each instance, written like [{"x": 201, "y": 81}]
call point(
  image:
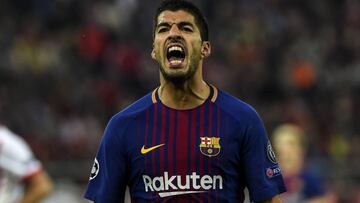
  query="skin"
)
[
  {"x": 183, "y": 87},
  {"x": 37, "y": 187},
  {"x": 290, "y": 153}
]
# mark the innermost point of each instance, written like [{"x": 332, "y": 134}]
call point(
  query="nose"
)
[{"x": 174, "y": 32}]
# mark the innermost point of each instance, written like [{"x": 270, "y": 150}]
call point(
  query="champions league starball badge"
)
[
  {"x": 95, "y": 169},
  {"x": 270, "y": 153}
]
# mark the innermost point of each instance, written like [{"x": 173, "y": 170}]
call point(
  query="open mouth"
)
[{"x": 175, "y": 55}]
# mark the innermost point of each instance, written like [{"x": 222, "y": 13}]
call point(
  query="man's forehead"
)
[{"x": 175, "y": 17}]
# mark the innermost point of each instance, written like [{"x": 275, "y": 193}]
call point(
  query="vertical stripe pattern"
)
[{"x": 181, "y": 132}]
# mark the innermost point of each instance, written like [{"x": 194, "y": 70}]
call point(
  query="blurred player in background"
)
[
  {"x": 303, "y": 184},
  {"x": 22, "y": 178},
  {"x": 186, "y": 141}
]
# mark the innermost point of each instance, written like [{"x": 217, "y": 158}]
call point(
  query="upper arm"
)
[
  {"x": 108, "y": 176},
  {"x": 262, "y": 172}
]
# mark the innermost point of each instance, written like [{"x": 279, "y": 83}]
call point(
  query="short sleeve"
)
[
  {"x": 16, "y": 156},
  {"x": 262, "y": 172},
  {"x": 108, "y": 175}
]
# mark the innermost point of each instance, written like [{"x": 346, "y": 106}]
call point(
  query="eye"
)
[
  {"x": 162, "y": 29},
  {"x": 187, "y": 29}
]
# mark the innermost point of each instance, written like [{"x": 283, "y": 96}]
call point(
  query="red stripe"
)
[
  {"x": 210, "y": 135},
  {"x": 153, "y": 143},
  {"x": 217, "y": 135},
  {"x": 162, "y": 137},
  {"x": 171, "y": 141},
  {"x": 193, "y": 141},
  {"x": 181, "y": 142},
  {"x": 201, "y": 164}
]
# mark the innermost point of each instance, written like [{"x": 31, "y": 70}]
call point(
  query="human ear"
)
[
  {"x": 205, "y": 49},
  {"x": 153, "y": 55}
]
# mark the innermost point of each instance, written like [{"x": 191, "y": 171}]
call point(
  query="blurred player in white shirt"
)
[{"x": 22, "y": 178}]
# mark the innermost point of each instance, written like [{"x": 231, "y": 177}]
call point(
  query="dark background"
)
[{"x": 66, "y": 66}]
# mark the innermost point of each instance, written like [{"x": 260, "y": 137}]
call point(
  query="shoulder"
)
[
  {"x": 238, "y": 109},
  {"x": 10, "y": 140},
  {"x": 13, "y": 147},
  {"x": 131, "y": 111},
  {"x": 123, "y": 119}
]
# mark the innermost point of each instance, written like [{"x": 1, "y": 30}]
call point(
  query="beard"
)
[{"x": 181, "y": 77}]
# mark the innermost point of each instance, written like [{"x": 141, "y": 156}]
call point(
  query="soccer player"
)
[
  {"x": 186, "y": 141},
  {"x": 22, "y": 178},
  {"x": 303, "y": 184}
]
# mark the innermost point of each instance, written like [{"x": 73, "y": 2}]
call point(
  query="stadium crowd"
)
[{"x": 66, "y": 66}]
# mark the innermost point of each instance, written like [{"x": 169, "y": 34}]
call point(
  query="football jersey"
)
[
  {"x": 206, "y": 154},
  {"x": 17, "y": 163}
]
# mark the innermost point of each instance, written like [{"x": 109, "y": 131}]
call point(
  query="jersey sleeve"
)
[
  {"x": 262, "y": 172},
  {"x": 108, "y": 175},
  {"x": 16, "y": 156}
]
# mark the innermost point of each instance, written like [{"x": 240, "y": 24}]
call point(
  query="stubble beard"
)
[{"x": 180, "y": 78}]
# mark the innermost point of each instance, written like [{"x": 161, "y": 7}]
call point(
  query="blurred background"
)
[{"x": 66, "y": 66}]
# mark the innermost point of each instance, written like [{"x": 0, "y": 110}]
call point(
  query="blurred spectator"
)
[
  {"x": 22, "y": 178},
  {"x": 303, "y": 184}
]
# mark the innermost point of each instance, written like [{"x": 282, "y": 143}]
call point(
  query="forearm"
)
[{"x": 37, "y": 188}]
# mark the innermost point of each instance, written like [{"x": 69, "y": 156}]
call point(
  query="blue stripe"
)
[
  {"x": 224, "y": 124},
  {"x": 189, "y": 148},
  {"x": 157, "y": 139},
  {"x": 149, "y": 139}
]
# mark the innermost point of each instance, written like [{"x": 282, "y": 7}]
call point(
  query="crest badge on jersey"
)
[
  {"x": 95, "y": 169},
  {"x": 210, "y": 146}
]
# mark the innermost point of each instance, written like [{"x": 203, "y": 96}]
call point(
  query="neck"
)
[{"x": 185, "y": 95}]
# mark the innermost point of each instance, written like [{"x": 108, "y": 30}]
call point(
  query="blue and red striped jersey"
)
[{"x": 206, "y": 154}]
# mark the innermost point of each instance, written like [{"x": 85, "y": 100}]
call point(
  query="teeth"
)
[
  {"x": 175, "y": 62},
  {"x": 176, "y": 48}
]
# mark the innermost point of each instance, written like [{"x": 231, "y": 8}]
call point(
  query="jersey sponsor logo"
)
[
  {"x": 210, "y": 146},
  {"x": 145, "y": 150},
  {"x": 273, "y": 171},
  {"x": 95, "y": 169},
  {"x": 177, "y": 185},
  {"x": 270, "y": 153}
]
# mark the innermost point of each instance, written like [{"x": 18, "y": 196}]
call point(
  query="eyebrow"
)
[{"x": 182, "y": 23}]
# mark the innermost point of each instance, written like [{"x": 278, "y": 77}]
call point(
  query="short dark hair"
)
[{"x": 175, "y": 5}]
